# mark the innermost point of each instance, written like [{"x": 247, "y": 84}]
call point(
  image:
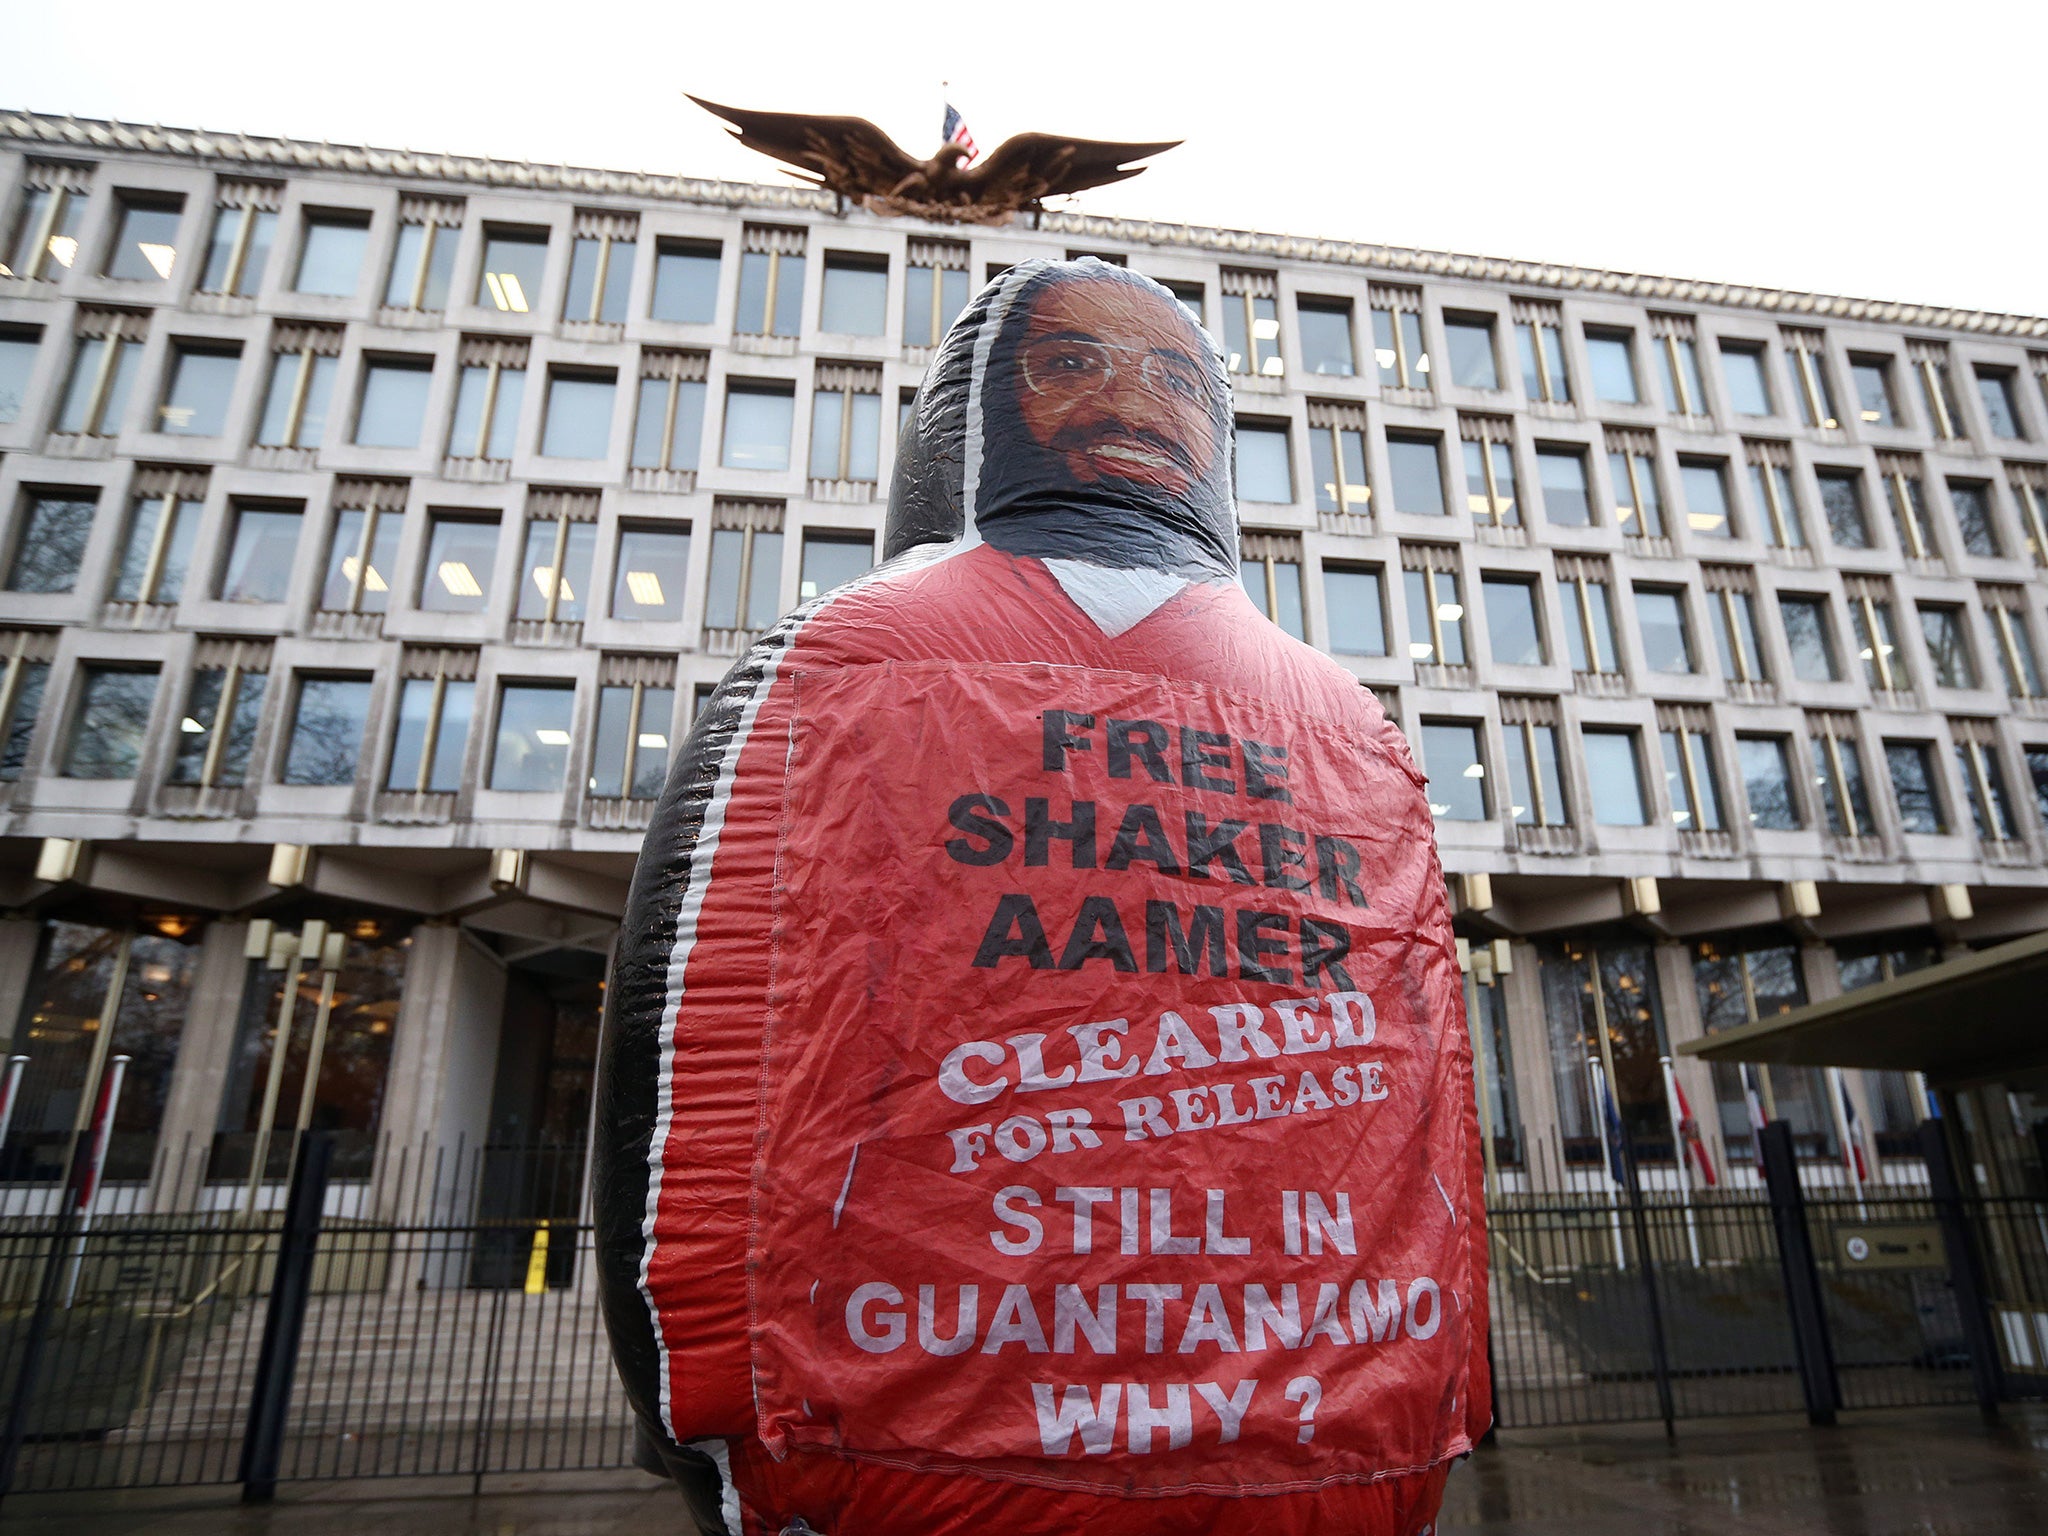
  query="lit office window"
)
[
  {"x": 1468, "y": 343},
  {"x": 744, "y": 590},
  {"x": 261, "y": 554},
  {"x": 44, "y": 242},
  {"x": 554, "y": 582},
  {"x": 846, "y": 423},
  {"x": 629, "y": 759},
  {"x": 1667, "y": 639},
  {"x": 1271, "y": 575},
  {"x": 1808, "y": 638},
  {"x": 1397, "y": 347},
  {"x": 1588, "y": 616},
  {"x": 1770, "y": 483},
  {"x": 686, "y": 281},
  {"x": 648, "y": 577},
  {"x": 331, "y": 254},
  {"x": 1610, "y": 355},
  {"x": 394, "y": 402},
  {"x": 579, "y": 414},
  {"x": 514, "y": 267},
  {"x": 1632, "y": 469},
  {"x": 1513, "y": 627},
  {"x": 489, "y": 393},
  {"x": 771, "y": 296},
  {"x": 423, "y": 261},
  {"x": 109, "y": 722},
  {"x": 1841, "y": 503},
  {"x": 434, "y": 716},
  {"x": 1265, "y": 467},
  {"x": 1806, "y": 362},
  {"x": 456, "y": 574},
  {"x": 1685, "y": 392},
  {"x": 757, "y": 424},
  {"x": 244, "y": 228},
  {"x": 934, "y": 290},
  {"x": 1742, "y": 372},
  {"x": 2001, "y": 410},
  {"x": 102, "y": 372},
  {"x": 51, "y": 530},
  {"x": 1948, "y": 645},
  {"x": 145, "y": 247},
  {"x": 362, "y": 558},
  {"x": 18, "y": 348},
  {"x": 1535, "y": 784},
  {"x": 161, "y": 532},
  {"x": 200, "y": 384},
  {"x": 1872, "y": 378},
  {"x": 1539, "y": 340},
  {"x": 1325, "y": 326},
  {"x": 217, "y": 731},
  {"x": 1336, "y": 453},
  {"x": 668, "y": 424},
  {"x": 1974, "y": 521},
  {"x": 1614, "y": 778},
  {"x": 1705, "y": 483},
  {"x": 1561, "y": 472},
  {"x": 303, "y": 362},
  {"x": 1436, "y": 610},
  {"x": 1689, "y": 778},
  {"x": 1415, "y": 467},
  {"x": 1251, "y": 323},
  {"x": 831, "y": 560},
  {"x": 855, "y": 297},
  {"x": 1488, "y": 444},
  {"x": 1456, "y": 766},
  {"x": 328, "y": 721},
  {"x": 1766, "y": 763},
  {"x": 601, "y": 268},
  {"x": 1915, "y": 785},
  {"x": 1838, "y": 775},
  {"x": 1355, "y": 610},
  {"x": 531, "y": 751}
]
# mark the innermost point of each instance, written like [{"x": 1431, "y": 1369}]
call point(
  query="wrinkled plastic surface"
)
[{"x": 1036, "y": 1067}]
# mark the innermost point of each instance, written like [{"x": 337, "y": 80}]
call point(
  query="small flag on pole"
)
[
  {"x": 1689, "y": 1134},
  {"x": 956, "y": 133}
]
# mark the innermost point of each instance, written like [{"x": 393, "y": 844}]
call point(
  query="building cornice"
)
[{"x": 41, "y": 130}]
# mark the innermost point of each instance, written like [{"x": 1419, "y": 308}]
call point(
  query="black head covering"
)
[{"x": 966, "y": 451}]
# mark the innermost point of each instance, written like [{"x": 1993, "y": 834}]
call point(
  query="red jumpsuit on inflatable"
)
[{"x": 1036, "y": 1095}]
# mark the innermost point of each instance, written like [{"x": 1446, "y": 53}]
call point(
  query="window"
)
[
  {"x": 102, "y": 372},
  {"x": 2001, "y": 411},
  {"x": 1770, "y": 482},
  {"x": 145, "y": 247},
  {"x": 1614, "y": 778},
  {"x": 304, "y": 360},
  {"x": 856, "y": 295},
  {"x": 196, "y": 394},
  {"x": 1984, "y": 780},
  {"x": 2029, "y": 483},
  {"x": 434, "y": 716},
  {"x": 1734, "y": 610},
  {"x": 244, "y": 227},
  {"x": 1667, "y": 641},
  {"x": 1738, "y": 988},
  {"x": 1355, "y": 610},
  {"x": 1632, "y": 466},
  {"x": 668, "y": 428},
  {"x": 700, "y": 697},
  {"x": 1930, "y": 366},
  {"x": 647, "y": 581},
  {"x": 488, "y": 396},
  {"x": 1535, "y": 786},
  {"x": 1336, "y": 454},
  {"x": 259, "y": 567},
  {"x": 1490, "y": 471},
  {"x": 685, "y": 281},
  {"x": 1876, "y": 641},
  {"x": 745, "y": 590},
  {"x": 2006, "y": 607},
  {"x": 363, "y": 556},
  {"x": 460, "y": 553},
  {"x": 49, "y": 541},
  {"x": 158, "y": 552},
  {"x": 1436, "y": 612},
  {"x": 579, "y": 415},
  {"x": 515, "y": 265},
  {"x": 1767, "y": 782},
  {"x": 21, "y": 698},
  {"x": 2037, "y": 769},
  {"x": 935, "y": 291},
  {"x": 1838, "y": 775},
  {"x": 1193, "y": 299},
  {"x": 46, "y": 229},
  {"x": 1326, "y": 336},
  {"x": 1397, "y": 337},
  {"x": 1457, "y": 770},
  {"x": 846, "y": 423},
  {"x": 1689, "y": 779},
  {"x": 601, "y": 268},
  {"x": 1611, "y": 356},
  {"x": 1562, "y": 474},
  {"x": 1684, "y": 391},
  {"x": 1539, "y": 339},
  {"x": 757, "y": 424},
  {"x": 1908, "y": 505},
  {"x": 17, "y": 363},
  {"x": 531, "y": 753},
  {"x": 1417, "y": 473},
  {"x": 1588, "y": 617},
  {"x": 110, "y": 722},
  {"x": 423, "y": 260},
  {"x": 327, "y": 730},
  {"x": 394, "y": 402},
  {"x": 630, "y": 757},
  {"x": 1807, "y": 637},
  {"x": 1972, "y": 501},
  {"x": 1806, "y": 363},
  {"x": 1742, "y": 371},
  {"x": 217, "y": 731},
  {"x": 1468, "y": 342},
  {"x": 831, "y": 560},
  {"x": 1515, "y": 632},
  {"x": 1872, "y": 377},
  {"x": 1705, "y": 483},
  {"x": 331, "y": 254},
  {"x": 1911, "y": 764},
  {"x": 1841, "y": 503},
  {"x": 1265, "y": 471},
  {"x": 771, "y": 297},
  {"x": 1251, "y": 323},
  {"x": 1270, "y": 571},
  {"x": 1948, "y": 645},
  {"x": 561, "y": 538}
]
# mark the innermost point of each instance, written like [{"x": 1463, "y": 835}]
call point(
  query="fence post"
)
[
  {"x": 290, "y": 1288},
  {"x": 65, "y": 1223},
  {"x": 1802, "y": 1280},
  {"x": 1660, "y": 1359},
  {"x": 1965, "y": 1272}
]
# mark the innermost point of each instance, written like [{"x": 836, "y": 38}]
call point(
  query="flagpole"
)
[
  {"x": 1836, "y": 1089},
  {"x": 1606, "y": 1158},
  {"x": 1684, "y": 1156}
]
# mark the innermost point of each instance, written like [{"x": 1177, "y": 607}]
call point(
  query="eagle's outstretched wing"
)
[
  {"x": 1033, "y": 166},
  {"x": 849, "y": 155}
]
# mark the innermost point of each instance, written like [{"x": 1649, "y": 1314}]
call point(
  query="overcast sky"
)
[{"x": 1879, "y": 150}]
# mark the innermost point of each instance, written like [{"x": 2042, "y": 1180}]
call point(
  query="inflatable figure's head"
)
[{"x": 1074, "y": 411}]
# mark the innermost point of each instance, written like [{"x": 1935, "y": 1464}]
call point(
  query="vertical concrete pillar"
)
[
  {"x": 206, "y": 1047},
  {"x": 19, "y": 937},
  {"x": 1535, "y": 1081}
]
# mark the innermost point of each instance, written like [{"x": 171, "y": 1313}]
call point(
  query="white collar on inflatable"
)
[{"x": 1117, "y": 600}]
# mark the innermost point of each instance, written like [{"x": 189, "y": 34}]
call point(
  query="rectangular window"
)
[
  {"x": 1562, "y": 474},
  {"x": 1535, "y": 785},
  {"x": 514, "y": 267},
  {"x": 102, "y": 372},
  {"x": 1416, "y": 468},
  {"x": 745, "y": 588},
  {"x": 1397, "y": 347},
  {"x": 1705, "y": 483},
  {"x": 1588, "y": 619},
  {"x": 362, "y": 557},
  {"x": 1806, "y": 363},
  {"x": 1770, "y": 482},
  {"x": 244, "y": 228},
  {"x": 686, "y": 281},
  {"x": 394, "y": 402},
  {"x": 1948, "y": 645},
  {"x": 158, "y": 551},
  {"x": 1251, "y": 323},
  {"x": 21, "y": 698},
  {"x": 328, "y": 720},
  {"x": 1930, "y": 366},
  {"x": 1974, "y": 520},
  {"x": 1914, "y": 785},
  {"x": 2006, "y": 608},
  {"x": 555, "y": 582},
  {"x": 771, "y": 297},
  {"x": 1689, "y": 780},
  {"x": 579, "y": 415},
  {"x": 331, "y": 254},
  {"x": 757, "y": 425},
  {"x": 423, "y": 260},
  {"x": 1984, "y": 781},
  {"x": 1872, "y": 377},
  {"x": 304, "y": 360},
  {"x": 1452, "y": 758},
  {"x": 1436, "y": 613},
  {"x": 1684, "y": 392},
  {"x": 51, "y": 531},
  {"x": 1838, "y": 775},
  {"x": 1614, "y": 778},
  {"x": 668, "y": 425},
  {"x": 1767, "y": 782},
  {"x": 110, "y": 722},
  {"x": 531, "y": 752},
  {"x": 1611, "y": 356},
  {"x": 1336, "y": 452},
  {"x": 46, "y": 229},
  {"x": 846, "y": 423},
  {"x": 1512, "y": 626},
  {"x": 1742, "y": 371},
  {"x": 629, "y": 759},
  {"x": 831, "y": 560},
  {"x": 1742, "y": 656},
  {"x": 1269, "y": 569},
  {"x": 197, "y": 390},
  {"x": 1876, "y": 640},
  {"x": 488, "y": 396},
  {"x": 2001, "y": 410},
  {"x": 217, "y": 731},
  {"x": 1907, "y": 503},
  {"x": 647, "y": 581},
  {"x": 2029, "y": 485},
  {"x": 1841, "y": 503},
  {"x": 456, "y": 573},
  {"x": 434, "y": 715},
  {"x": 1468, "y": 341},
  {"x": 1808, "y": 638},
  {"x": 601, "y": 268},
  {"x": 260, "y": 557},
  {"x": 17, "y": 363},
  {"x": 1667, "y": 639},
  {"x": 1326, "y": 336},
  {"x": 855, "y": 301},
  {"x": 935, "y": 291},
  {"x": 1632, "y": 467},
  {"x": 1490, "y": 471},
  {"x": 145, "y": 247},
  {"x": 1539, "y": 341},
  {"x": 2037, "y": 770},
  {"x": 1265, "y": 467},
  {"x": 1355, "y": 610}
]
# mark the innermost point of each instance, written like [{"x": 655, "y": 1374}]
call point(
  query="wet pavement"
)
[{"x": 1926, "y": 1472}]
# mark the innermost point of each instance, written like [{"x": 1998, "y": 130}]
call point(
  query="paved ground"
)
[{"x": 1945, "y": 1473}]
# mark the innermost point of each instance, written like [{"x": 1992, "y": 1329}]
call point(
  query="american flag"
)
[{"x": 956, "y": 133}]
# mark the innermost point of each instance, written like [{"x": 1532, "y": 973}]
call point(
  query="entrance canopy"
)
[{"x": 1984, "y": 1015}]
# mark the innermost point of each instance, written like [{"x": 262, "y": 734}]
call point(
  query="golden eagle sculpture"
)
[{"x": 855, "y": 159}]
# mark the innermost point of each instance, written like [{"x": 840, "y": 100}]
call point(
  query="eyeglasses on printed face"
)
[{"x": 1073, "y": 368}]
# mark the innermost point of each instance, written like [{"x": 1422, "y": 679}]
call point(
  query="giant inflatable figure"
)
[{"x": 1036, "y": 1096}]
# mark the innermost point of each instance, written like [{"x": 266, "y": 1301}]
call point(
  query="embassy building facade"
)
[{"x": 373, "y": 524}]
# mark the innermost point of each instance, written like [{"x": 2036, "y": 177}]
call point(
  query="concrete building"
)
[{"x": 371, "y": 524}]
